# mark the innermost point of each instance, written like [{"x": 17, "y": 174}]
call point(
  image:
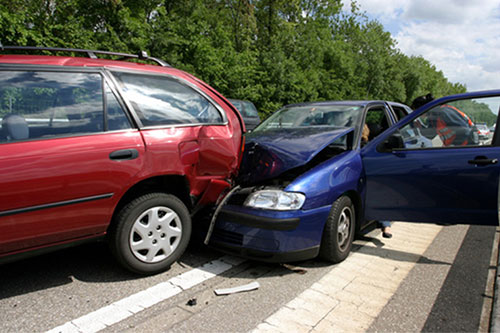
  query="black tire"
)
[
  {"x": 336, "y": 244},
  {"x": 150, "y": 233}
]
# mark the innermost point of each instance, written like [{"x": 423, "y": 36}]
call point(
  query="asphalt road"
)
[{"x": 447, "y": 289}]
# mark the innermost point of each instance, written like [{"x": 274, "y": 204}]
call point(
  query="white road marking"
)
[{"x": 126, "y": 307}]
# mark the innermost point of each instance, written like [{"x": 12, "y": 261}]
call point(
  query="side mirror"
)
[{"x": 394, "y": 141}]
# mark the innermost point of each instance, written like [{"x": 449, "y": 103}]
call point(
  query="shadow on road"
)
[
  {"x": 435, "y": 298},
  {"x": 382, "y": 252},
  {"x": 92, "y": 262},
  {"x": 88, "y": 262},
  {"x": 459, "y": 304}
]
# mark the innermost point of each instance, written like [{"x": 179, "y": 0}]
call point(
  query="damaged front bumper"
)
[{"x": 271, "y": 236}]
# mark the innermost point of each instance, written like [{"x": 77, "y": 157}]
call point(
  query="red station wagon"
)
[{"x": 92, "y": 147}]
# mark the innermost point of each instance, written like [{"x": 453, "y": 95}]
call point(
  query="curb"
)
[{"x": 495, "y": 310}]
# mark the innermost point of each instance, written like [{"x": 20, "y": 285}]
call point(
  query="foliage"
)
[
  {"x": 272, "y": 52},
  {"x": 478, "y": 111}
]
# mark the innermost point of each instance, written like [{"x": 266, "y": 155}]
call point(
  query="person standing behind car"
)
[{"x": 453, "y": 126}]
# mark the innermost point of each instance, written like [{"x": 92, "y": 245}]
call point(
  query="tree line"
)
[{"x": 271, "y": 52}]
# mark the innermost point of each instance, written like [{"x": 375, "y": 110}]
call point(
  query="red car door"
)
[
  {"x": 62, "y": 166},
  {"x": 186, "y": 129}
]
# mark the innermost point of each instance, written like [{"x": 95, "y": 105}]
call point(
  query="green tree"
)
[{"x": 272, "y": 52}]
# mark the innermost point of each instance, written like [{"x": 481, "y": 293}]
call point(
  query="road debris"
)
[
  {"x": 191, "y": 302},
  {"x": 247, "y": 287},
  {"x": 295, "y": 269}
]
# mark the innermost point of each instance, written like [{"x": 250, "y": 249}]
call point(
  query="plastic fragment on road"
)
[
  {"x": 247, "y": 287},
  {"x": 295, "y": 269}
]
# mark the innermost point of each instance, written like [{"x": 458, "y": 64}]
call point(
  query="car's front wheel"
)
[
  {"x": 150, "y": 233},
  {"x": 338, "y": 234}
]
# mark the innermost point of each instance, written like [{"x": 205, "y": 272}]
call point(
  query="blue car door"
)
[{"x": 432, "y": 167}]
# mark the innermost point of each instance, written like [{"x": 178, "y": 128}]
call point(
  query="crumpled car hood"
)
[{"x": 270, "y": 153}]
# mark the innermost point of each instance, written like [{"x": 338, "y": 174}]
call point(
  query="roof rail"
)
[{"x": 90, "y": 53}]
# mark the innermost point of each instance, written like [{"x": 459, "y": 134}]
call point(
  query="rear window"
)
[
  {"x": 250, "y": 110},
  {"x": 161, "y": 100},
  {"x": 246, "y": 108}
]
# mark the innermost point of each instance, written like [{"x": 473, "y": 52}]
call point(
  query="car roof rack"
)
[{"x": 90, "y": 53}]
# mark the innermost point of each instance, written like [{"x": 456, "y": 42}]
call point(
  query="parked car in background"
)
[
  {"x": 483, "y": 132},
  {"x": 92, "y": 147},
  {"x": 308, "y": 182},
  {"x": 248, "y": 111}
]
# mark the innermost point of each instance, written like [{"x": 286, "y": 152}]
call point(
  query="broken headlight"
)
[{"x": 275, "y": 200}]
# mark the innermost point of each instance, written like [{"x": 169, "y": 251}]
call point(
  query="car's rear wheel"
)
[
  {"x": 338, "y": 234},
  {"x": 150, "y": 233}
]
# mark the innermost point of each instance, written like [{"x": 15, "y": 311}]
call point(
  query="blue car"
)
[{"x": 315, "y": 174}]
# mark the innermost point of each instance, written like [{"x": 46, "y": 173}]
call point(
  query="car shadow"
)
[
  {"x": 375, "y": 241},
  {"x": 87, "y": 262},
  {"x": 459, "y": 304},
  {"x": 91, "y": 262},
  {"x": 391, "y": 254},
  {"x": 450, "y": 299}
]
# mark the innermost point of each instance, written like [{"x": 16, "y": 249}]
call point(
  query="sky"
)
[{"x": 460, "y": 37}]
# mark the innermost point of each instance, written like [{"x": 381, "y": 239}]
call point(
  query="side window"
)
[
  {"x": 400, "y": 112},
  {"x": 117, "y": 120},
  {"x": 453, "y": 124},
  {"x": 159, "y": 100},
  {"x": 376, "y": 122},
  {"x": 45, "y": 104}
]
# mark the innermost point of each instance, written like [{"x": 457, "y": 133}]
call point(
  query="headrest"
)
[{"x": 15, "y": 127}]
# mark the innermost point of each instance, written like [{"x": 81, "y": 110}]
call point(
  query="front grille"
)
[
  {"x": 227, "y": 237},
  {"x": 239, "y": 197}
]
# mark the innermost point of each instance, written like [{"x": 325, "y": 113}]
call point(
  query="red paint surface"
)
[{"x": 50, "y": 171}]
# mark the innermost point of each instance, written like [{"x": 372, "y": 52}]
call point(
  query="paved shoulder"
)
[{"x": 353, "y": 293}]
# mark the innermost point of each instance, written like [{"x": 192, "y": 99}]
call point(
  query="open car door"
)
[{"x": 432, "y": 167}]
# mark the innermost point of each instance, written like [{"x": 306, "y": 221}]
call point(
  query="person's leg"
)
[{"x": 386, "y": 229}]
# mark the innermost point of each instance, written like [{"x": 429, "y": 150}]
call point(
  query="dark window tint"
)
[
  {"x": 45, "y": 104},
  {"x": 159, "y": 100},
  {"x": 376, "y": 121},
  {"x": 400, "y": 112}
]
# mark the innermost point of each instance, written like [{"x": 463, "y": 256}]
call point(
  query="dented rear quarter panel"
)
[{"x": 200, "y": 153}]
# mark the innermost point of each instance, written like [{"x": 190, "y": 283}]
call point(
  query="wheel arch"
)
[
  {"x": 170, "y": 184},
  {"x": 358, "y": 208}
]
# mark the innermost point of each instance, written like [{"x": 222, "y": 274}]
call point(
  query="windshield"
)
[
  {"x": 482, "y": 127},
  {"x": 314, "y": 115}
]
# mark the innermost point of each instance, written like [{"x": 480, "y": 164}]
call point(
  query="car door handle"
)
[
  {"x": 482, "y": 160},
  {"x": 124, "y": 154}
]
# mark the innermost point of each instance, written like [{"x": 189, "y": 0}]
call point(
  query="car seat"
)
[
  {"x": 375, "y": 129},
  {"x": 15, "y": 127}
]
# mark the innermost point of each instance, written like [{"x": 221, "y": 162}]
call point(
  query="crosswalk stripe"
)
[{"x": 126, "y": 307}]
